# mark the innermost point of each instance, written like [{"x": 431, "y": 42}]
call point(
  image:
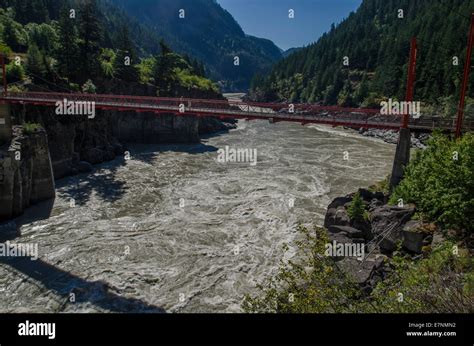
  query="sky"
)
[{"x": 269, "y": 18}]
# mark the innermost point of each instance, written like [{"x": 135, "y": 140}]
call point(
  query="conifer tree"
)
[
  {"x": 67, "y": 52},
  {"x": 35, "y": 64},
  {"x": 10, "y": 35},
  {"x": 164, "y": 74},
  {"x": 90, "y": 32},
  {"x": 356, "y": 208},
  {"x": 126, "y": 57}
]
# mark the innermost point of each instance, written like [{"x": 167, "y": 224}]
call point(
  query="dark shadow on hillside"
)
[{"x": 64, "y": 283}]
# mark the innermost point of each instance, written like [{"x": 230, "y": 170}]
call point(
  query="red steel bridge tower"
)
[{"x": 402, "y": 154}]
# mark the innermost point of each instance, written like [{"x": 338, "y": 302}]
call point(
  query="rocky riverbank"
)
[
  {"x": 386, "y": 231},
  {"x": 418, "y": 140}
]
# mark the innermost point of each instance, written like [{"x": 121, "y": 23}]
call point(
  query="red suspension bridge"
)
[
  {"x": 236, "y": 109},
  {"x": 274, "y": 112}
]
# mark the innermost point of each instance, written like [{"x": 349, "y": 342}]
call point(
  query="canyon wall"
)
[
  {"x": 75, "y": 140},
  {"x": 53, "y": 146},
  {"x": 26, "y": 175}
]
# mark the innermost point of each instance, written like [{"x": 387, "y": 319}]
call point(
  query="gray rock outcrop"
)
[
  {"x": 380, "y": 234},
  {"x": 26, "y": 174},
  {"x": 387, "y": 224},
  {"x": 413, "y": 236}
]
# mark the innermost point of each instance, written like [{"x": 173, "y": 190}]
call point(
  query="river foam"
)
[{"x": 173, "y": 228}]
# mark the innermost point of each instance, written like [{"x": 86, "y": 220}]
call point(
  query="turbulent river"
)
[{"x": 174, "y": 229}]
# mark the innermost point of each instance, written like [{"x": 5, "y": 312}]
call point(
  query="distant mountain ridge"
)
[
  {"x": 290, "y": 51},
  {"x": 209, "y": 33},
  {"x": 376, "y": 42}
]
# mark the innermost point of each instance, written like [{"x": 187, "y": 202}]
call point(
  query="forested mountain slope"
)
[
  {"x": 208, "y": 33},
  {"x": 93, "y": 46},
  {"x": 376, "y": 42}
]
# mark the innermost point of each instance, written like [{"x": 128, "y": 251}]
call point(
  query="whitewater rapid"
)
[{"x": 173, "y": 229}]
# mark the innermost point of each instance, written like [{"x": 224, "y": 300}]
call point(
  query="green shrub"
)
[
  {"x": 107, "y": 61},
  {"x": 439, "y": 283},
  {"x": 74, "y": 87},
  {"x": 186, "y": 79},
  {"x": 15, "y": 88},
  {"x": 89, "y": 87},
  {"x": 440, "y": 182},
  {"x": 30, "y": 127},
  {"x": 356, "y": 210},
  {"x": 15, "y": 73},
  {"x": 4, "y": 49},
  {"x": 145, "y": 70}
]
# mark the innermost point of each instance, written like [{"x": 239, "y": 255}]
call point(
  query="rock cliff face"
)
[
  {"x": 26, "y": 175},
  {"x": 150, "y": 128},
  {"x": 75, "y": 139}
]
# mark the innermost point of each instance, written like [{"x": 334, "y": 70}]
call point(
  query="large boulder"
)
[
  {"x": 336, "y": 216},
  {"x": 413, "y": 236},
  {"x": 363, "y": 272},
  {"x": 209, "y": 125},
  {"x": 118, "y": 148},
  {"x": 387, "y": 224},
  {"x": 347, "y": 230},
  {"x": 371, "y": 199},
  {"x": 109, "y": 153},
  {"x": 364, "y": 226},
  {"x": 375, "y": 203},
  {"x": 340, "y": 202},
  {"x": 342, "y": 240},
  {"x": 366, "y": 195},
  {"x": 438, "y": 238}
]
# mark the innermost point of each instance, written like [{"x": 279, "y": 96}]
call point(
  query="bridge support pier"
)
[
  {"x": 402, "y": 157},
  {"x": 5, "y": 123}
]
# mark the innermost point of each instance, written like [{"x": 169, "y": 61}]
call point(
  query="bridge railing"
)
[
  {"x": 249, "y": 107},
  {"x": 354, "y": 117}
]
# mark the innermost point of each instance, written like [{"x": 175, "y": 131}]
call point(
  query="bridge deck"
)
[{"x": 275, "y": 112}]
